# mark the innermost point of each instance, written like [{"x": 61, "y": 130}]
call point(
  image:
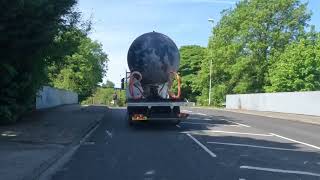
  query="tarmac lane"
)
[{"x": 205, "y": 146}]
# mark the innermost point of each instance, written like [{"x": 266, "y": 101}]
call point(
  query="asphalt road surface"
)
[{"x": 209, "y": 145}]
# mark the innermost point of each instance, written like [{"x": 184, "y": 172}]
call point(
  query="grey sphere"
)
[{"x": 154, "y": 55}]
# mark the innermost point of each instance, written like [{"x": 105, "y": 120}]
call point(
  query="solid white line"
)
[
  {"x": 201, "y": 114},
  {"x": 230, "y": 132},
  {"x": 202, "y": 146},
  {"x": 306, "y": 144},
  {"x": 186, "y": 111},
  {"x": 253, "y": 146},
  {"x": 89, "y": 134},
  {"x": 236, "y": 123},
  {"x": 207, "y": 124},
  {"x": 280, "y": 170},
  {"x": 197, "y": 123}
]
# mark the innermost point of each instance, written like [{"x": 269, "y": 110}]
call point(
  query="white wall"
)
[
  {"x": 51, "y": 97},
  {"x": 288, "y": 102}
]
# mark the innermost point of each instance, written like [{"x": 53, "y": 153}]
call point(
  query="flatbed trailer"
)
[{"x": 162, "y": 110}]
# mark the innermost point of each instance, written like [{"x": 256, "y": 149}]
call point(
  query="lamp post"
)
[{"x": 211, "y": 21}]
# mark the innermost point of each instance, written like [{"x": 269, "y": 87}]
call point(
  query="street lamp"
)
[{"x": 211, "y": 21}]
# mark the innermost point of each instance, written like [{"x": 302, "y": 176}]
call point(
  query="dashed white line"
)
[
  {"x": 289, "y": 139},
  {"x": 253, "y": 146},
  {"x": 280, "y": 170},
  {"x": 202, "y": 146},
  {"x": 231, "y": 132}
]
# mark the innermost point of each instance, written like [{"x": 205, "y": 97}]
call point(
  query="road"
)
[{"x": 209, "y": 145}]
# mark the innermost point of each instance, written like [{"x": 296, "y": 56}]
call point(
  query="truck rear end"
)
[{"x": 153, "y": 60}]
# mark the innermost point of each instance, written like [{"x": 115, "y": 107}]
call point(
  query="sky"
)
[{"x": 116, "y": 23}]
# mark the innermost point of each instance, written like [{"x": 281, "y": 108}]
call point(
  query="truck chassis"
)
[{"x": 164, "y": 110}]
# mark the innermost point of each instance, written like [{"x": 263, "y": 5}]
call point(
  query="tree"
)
[
  {"x": 83, "y": 70},
  {"x": 27, "y": 32},
  {"x": 108, "y": 84},
  {"x": 297, "y": 68},
  {"x": 191, "y": 58},
  {"x": 104, "y": 96},
  {"x": 244, "y": 41}
]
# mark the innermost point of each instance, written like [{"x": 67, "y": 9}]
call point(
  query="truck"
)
[{"x": 153, "y": 59}]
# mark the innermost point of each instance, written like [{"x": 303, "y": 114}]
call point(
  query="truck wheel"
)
[{"x": 128, "y": 119}]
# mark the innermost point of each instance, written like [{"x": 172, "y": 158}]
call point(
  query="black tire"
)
[{"x": 128, "y": 119}]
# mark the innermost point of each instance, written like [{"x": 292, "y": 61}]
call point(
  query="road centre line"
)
[
  {"x": 280, "y": 170},
  {"x": 231, "y": 132},
  {"x": 253, "y": 146},
  {"x": 202, "y": 146},
  {"x": 306, "y": 144}
]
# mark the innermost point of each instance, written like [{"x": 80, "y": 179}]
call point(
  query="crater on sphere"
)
[{"x": 154, "y": 55}]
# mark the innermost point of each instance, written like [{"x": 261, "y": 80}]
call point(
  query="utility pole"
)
[{"x": 211, "y": 21}]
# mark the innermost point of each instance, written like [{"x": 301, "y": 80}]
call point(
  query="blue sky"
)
[{"x": 118, "y": 22}]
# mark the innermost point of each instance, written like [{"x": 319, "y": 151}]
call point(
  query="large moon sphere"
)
[{"x": 155, "y": 56}]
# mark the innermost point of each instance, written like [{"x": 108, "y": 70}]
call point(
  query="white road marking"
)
[
  {"x": 231, "y": 132},
  {"x": 306, "y": 144},
  {"x": 280, "y": 170},
  {"x": 109, "y": 133},
  {"x": 210, "y": 124},
  {"x": 201, "y": 114},
  {"x": 202, "y": 146},
  {"x": 88, "y": 143},
  {"x": 253, "y": 146},
  {"x": 207, "y": 119},
  {"x": 84, "y": 139},
  {"x": 186, "y": 111},
  {"x": 178, "y": 126},
  {"x": 236, "y": 123},
  {"x": 197, "y": 123}
]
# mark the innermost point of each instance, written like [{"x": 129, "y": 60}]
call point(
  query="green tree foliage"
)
[
  {"x": 83, "y": 70},
  {"x": 244, "y": 41},
  {"x": 191, "y": 58},
  {"x": 27, "y": 32},
  {"x": 297, "y": 68},
  {"x": 108, "y": 84},
  {"x": 104, "y": 96}
]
